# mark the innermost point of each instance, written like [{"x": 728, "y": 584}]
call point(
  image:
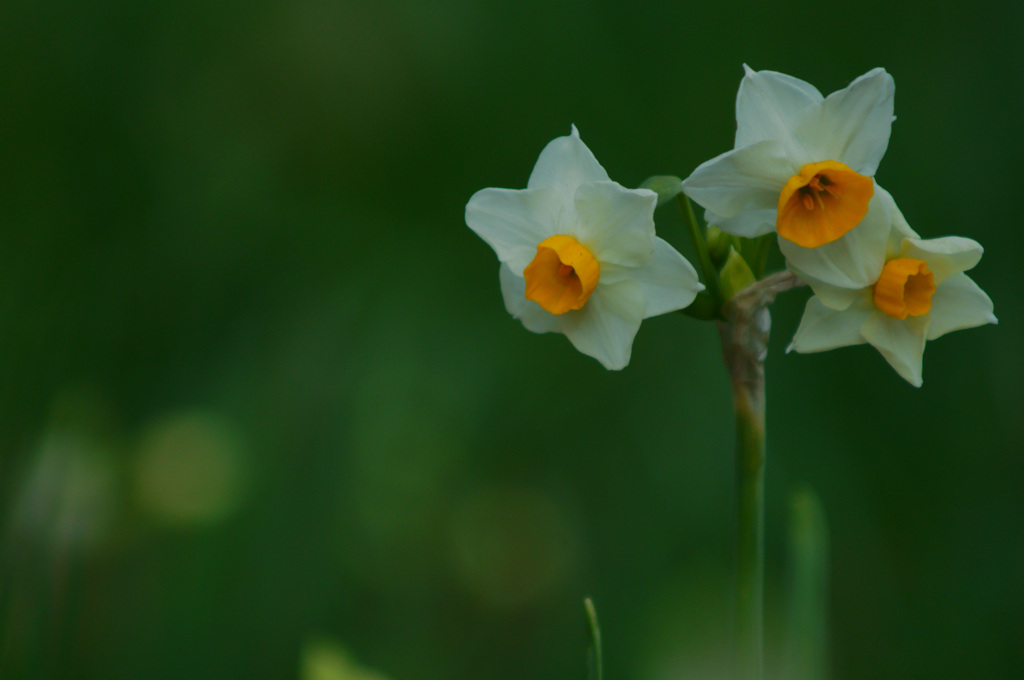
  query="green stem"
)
[
  {"x": 700, "y": 245},
  {"x": 758, "y": 257}
]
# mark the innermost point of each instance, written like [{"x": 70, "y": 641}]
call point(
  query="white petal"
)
[
  {"x": 514, "y": 221},
  {"x": 606, "y": 326},
  {"x": 749, "y": 223},
  {"x": 669, "y": 282},
  {"x": 900, "y": 342},
  {"x": 831, "y": 296},
  {"x": 615, "y": 223},
  {"x": 900, "y": 228},
  {"x": 822, "y": 328},
  {"x": 853, "y": 261},
  {"x": 565, "y": 163},
  {"x": 768, "y": 105},
  {"x": 711, "y": 218},
  {"x": 945, "y": 256},
  {"x": 533, "y": 316},
  {"x": 751, "y": 177},
  {"x": 959, "y": 303},
  {"x": 852, "y": 125}
]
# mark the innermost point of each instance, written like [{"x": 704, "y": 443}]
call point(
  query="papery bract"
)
[{"x": 579, "y": 254}]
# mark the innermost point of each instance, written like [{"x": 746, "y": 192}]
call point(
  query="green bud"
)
[
  {"x": 719, "y": 244},
  {"x": 666, "y": 186},
  {"x": 735, "y": 275}
]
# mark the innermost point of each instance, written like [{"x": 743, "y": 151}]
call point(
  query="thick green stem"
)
[
  {"x": 744, "y": 334},
  {"x": 748, "y": 401}
]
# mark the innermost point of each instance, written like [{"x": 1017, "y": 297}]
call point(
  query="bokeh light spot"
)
[{"x": 191, "y": 469}]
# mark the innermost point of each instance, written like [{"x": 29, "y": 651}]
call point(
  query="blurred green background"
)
[{"x": 263, "y": 415}]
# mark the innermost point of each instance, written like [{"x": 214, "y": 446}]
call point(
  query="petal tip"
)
[{"x": 880, "y": 73}]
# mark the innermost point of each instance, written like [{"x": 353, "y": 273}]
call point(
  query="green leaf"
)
[
  {"x": 805, "y": 652},
  {"x": 666, "y": 186},
  {"x": 594, "y": 668}
]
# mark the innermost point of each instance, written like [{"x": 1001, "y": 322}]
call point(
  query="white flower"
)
[
  {"x": 919, "y": 293},
  {"x": 802, "y": 163},
  {"x": 579, "y": 255}
]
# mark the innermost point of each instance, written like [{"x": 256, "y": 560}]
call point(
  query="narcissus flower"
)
[
  {"x": 914, "y": 291},
  {"x": 803, "y": 164},
  {"x": 579, "y": 255}
]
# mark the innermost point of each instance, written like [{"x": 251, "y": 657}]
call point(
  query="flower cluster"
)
[
  {"x": 579, "y": 254},
  {"x": 803, "y": 166}
]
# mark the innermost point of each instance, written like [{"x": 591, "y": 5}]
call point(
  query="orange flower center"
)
[
  {"x": 904, "y": 288},
  {"x": 562, "y": 275},
  {"x": 822, "y": 203}
]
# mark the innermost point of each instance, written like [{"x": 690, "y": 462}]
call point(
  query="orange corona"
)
[
  {"x": 562, "y": 275},
  {"x": 822, "y": 203},
  {"x": 905, "y": 288}
]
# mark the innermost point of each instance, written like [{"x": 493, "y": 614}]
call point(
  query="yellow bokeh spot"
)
[
  {"x": 324, "y": 659},
  {"x": 562, "y": 275},
  {"x": 822, "y": 203},
  {"x": 904, "y": 288}
]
